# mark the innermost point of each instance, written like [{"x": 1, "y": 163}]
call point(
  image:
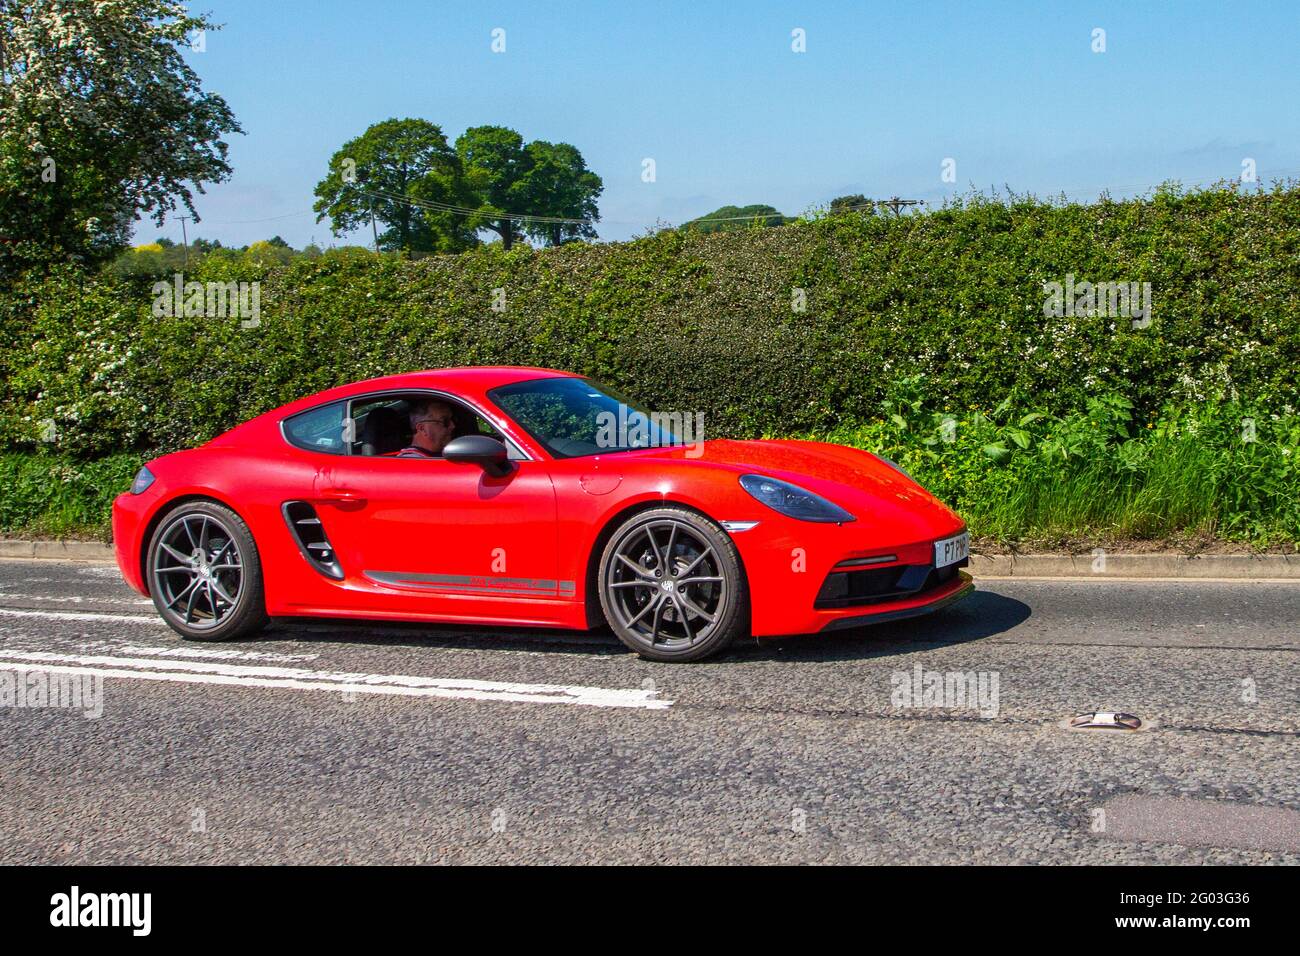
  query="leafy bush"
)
[
  {"x": 731, "y": 218},
  {"x": 839, "y": 325},
  {"x": 701, "y": 322},
  {"x": 1215, "y": 471},
  {"x": 54, "y": 495}
]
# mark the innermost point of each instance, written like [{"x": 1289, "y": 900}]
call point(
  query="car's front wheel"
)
[
  {"x": 205, "y": 574},
  {"x": 672, "y": 586}
]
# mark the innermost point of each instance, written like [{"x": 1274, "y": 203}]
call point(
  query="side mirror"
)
[{"x": 487, "y": 453}]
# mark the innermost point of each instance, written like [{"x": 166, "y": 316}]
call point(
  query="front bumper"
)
[
  {"x": 926, "y": 603},
  {"x": 787, "y": 564},
  {"x": 130, "y": 518}
]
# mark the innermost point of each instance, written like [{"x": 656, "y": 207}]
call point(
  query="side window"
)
[
  {"x": 380, "y": 426},
  {"x": 320, "y": 429},
  {"x": 476, "y": 424}
]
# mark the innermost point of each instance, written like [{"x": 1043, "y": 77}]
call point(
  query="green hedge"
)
[
  {"x": 1205, "y": 472},
  {"x": 56, "y": 495},
  {"x": 701, "y": 322}
]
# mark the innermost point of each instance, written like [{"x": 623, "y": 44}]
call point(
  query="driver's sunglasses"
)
[{"x": 444, "y": 422}]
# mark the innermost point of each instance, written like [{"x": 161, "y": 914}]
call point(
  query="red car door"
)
[{"x": 444, "y": 539}]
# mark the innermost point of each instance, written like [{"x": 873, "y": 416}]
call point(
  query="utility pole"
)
[
  {"x": 896, "y": 204},
  {"x": 373, "y": 228},
  {"x": 185, "y": 241}
]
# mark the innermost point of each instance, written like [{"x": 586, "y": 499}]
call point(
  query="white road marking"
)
[
  {"x": 82, "y": 616},
  {"x": 116, "y": 647},
  {"x": 213, "y": 654},
  {"x": 291, "y": 678},
  {"x": 73, "y": 599}
]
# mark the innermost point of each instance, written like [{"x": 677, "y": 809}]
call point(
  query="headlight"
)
[
  {"x": 793, "y": 501},
  {"x": 143, "y": 479}
]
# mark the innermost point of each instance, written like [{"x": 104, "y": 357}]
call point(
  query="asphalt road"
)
[{"x": 337, "y": 743}]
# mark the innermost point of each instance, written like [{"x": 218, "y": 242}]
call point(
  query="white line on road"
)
[
  {"x": 292, "y": 678},
  {"x": 73, "y": 599},
  {"x": 217, "y": 655},
  {"x": 82, "y": 616}
]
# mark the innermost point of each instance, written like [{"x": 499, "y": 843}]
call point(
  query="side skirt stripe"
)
[{"x": 531, "y": 587}]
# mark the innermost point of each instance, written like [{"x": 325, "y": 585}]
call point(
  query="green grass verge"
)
[
  {"x": 56, "y": 496},
  {"x": 1222, "y": 472}
]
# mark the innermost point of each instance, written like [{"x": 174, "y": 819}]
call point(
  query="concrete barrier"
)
[
  {"x": 95, "y": 551},
  {"x": 1240, "y": 566}
]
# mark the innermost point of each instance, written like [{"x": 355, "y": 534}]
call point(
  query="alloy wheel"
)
[
  {"x": 197, "y": 571},
  {"x": 665, "y": 584}
]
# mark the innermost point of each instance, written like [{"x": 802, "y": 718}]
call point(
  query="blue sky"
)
[{"x": 712, "y": 91}]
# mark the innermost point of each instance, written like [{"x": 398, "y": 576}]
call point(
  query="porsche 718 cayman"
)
[{"x": 531, "y": 515}]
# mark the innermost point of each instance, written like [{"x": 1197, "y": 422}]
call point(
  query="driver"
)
[{"x": 432, "y": 425}]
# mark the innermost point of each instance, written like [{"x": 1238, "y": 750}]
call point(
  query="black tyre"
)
[
  {"x": 204, "y": 573},
  {"x": 672, "y": 586}
]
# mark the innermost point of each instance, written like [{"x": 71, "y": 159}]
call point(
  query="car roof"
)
[
  {"x": 478, "y": 377},
  {"x": 471, "y": 382}
]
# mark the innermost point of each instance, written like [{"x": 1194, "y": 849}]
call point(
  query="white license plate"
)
[{"x": 950, "y": 550}]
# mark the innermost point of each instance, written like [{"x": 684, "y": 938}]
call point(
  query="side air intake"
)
[{"x": 309, "y": 533}]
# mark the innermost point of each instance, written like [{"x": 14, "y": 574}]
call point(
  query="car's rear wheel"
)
[
  {"x": 205, "y": 574},
  {"x": 672, "y": 587}
]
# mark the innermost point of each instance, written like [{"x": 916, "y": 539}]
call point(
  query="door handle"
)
[{"x": 342, "y": 496}]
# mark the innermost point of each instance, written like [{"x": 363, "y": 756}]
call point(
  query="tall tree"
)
[
  {"x": 560, "y": 186},
  {"x": 398, "y": 172},
  {"x": 524, "y": 188},
  {"x": 495, "y": 165},
  {"x": 101, "y": 121},
  {"x": 730, "y": 218},
  {"x": 858, "y": 203}
]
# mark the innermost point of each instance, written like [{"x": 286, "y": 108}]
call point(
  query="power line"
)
[
  {"x": 466, "y": 211},
  {"x": 894, "y": 203},
  {"x": 246, "y": 222},
  {"x": 1277, "y": 174}
]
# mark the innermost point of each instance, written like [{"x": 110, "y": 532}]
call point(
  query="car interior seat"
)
[{"x": 386, "y": 430}]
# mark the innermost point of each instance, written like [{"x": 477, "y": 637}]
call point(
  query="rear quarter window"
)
[{"x": 320, "y": 429}]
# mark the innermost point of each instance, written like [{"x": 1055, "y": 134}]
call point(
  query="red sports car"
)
[{"x": 540, "y": 507}]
